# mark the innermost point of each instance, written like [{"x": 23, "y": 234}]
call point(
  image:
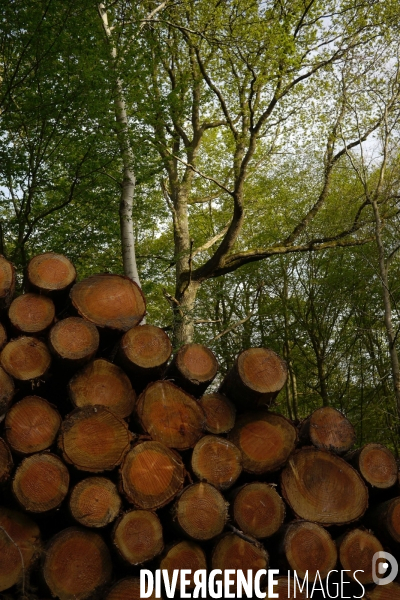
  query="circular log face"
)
[
  {"x": 138, "y": 536},
  {"x": 201, "y": 511},
  {"x": 101, "y": 382},
  {"x": 323, "y": 488},
  {"x": 41, "y": 482},
  {"x": 19, "y": 535},
  {"x": 7, "y": 282},
  {"x": 127, "y": 589},
  {"x": 356, "y": 550},
  {"x": 32, "y": 425},
  {"x": 51, "y": 272},
  {"x": 25, "y": 358},
  {"x": 262, "y": 370},
  {"x": 6, "y": 391},
  {"x": 95, "y": 502},
  {"x": 77, "y": 564},
  {"x": 146, "y": 346},
  {"x": 220, "y": 413},
  {"x": 258, "y": 510},
  {"x": 74, "y": 339},
  {"x": 196, "y": 363},
  {"x": 170, "y": 416},
  {"x": 233, "y": 552},
  {"x": 286, "y": 590},
  {"x": 110, "y": 301},
  {"x": 152, "y": 475},
  {"x": 330, "y": 430},
  {"x": 378, "y": 466},
  {"x": 265, "y": 440},
  {"x": 309, "y": 547},
  {"x": 217, "y": 461},
  {"x": 6, "y": 461},
  {"x": 184, "y": 555},
  {"x": 94, "y": 439},
  {"x": 31, "y": 313}
]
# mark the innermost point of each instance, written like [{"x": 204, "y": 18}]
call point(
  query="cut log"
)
[
  {"x": 170, "y": 415},
  {"x": 101, "y": 382},
  {"x": 184, "y": 555},
  {"x": 93, "y": 439},
  {"x": 7, "y": 391},
  {"x": 77, "y": 564},
  {"x": 356, "y": 551},
  {"x": 74, "y": 341},
  {"x": 41, "y": 482},
  {"x": 19, "y": 546},
  {"x": 220, "y": 413},
  {"x": 127, "y": 589},
  {"x": 328, "y": 429},
  {"x": 200, "y": 512},
  {"x": 7, "y": 283},
  {"x": 26, "y": 358},
  {"x": 385, "y": 520},
  {"x": 258, "y": 510},
  {"x": 3, "y": 336},
  {"x": 256, "y": 378},
  {"x": 391, "y": 591},
  {"x": 286, "y": 590},
  {"x": 217, "y": 461},
  {"x": 265, "y": 439},
  {"x": 193, "y": 368},
  {"x": 321, "y": 487},
  {"x": 6, "y": 461},
  {"x": 233, "y": 552},
  {"x": 95, "y": 502},
  {"x": 376, "y": 464},
  {"x": 152, "y": 475},
  {"x": 50, "y": 273},
  {"x": 32, "y": 425},
  {"x": 138, "y": 536},
  {"x": 109, "y": 301},
  {"x": 32, "y": 314},
  {"x": 144, "y": 352},
  {"x": 308, "y": 547}
]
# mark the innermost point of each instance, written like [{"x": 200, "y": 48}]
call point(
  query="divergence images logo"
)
[{"x": 383, "y": 562}]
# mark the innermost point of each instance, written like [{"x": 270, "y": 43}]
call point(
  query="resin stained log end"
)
[
  {"x": 77, "y": 564},
  {"x": 109, "y": 301}
]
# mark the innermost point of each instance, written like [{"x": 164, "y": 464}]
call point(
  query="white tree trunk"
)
[{"x": 128, "y": 175}]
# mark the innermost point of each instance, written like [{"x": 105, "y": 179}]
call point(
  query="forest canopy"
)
[{"x": 247, "y": 155}]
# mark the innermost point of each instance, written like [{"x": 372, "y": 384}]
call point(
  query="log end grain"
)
[
  {"x": 138, "y": 536},
  {"x": 377, "y": 466},
  {"x": 265, "y": 439},
  {"x": 258, "y": 510},
  {"x": 101, "y": 382},
  {"x": 41, "y": 482},
  {"x": 93, "y": 439},
  {"x": 356, "y": 550},
  {"x": 309, "y": 547},
  {"x": 233, "y": 552},
  {"x": 6, "y": 461},
  {"x": 145, "y": 351},
  {"x": 109, "y": 301},
  {"x": 152, "y": 475},
  {"x": 74, "y": 340},
  {"x": 286, "y": 590},
  {"x": 127, "y": 589},
  {"x": 201, "y": 511},
  {"x": 32, "y": 425},
  {"x": 26, "y": 358},
  {"x": 193, "y": 368},
  {"x": 77, "y": 564},
  {"x": 19, "y": 535},
  {"x": 170, "y": 415},
  {"x": 184, "y": 555},
  {"x": 217, "y": 461},
  {"x": 321, "y": 487},
  {"x": 32, "y": 313},
  {"x": 329, "y": 429},
  {"x": 7, "y": 391},
  {"x": 7, "y": 282},
  {"x": 95, "y": 502},
  {"x": 50, "y": 272},
  {"x": 220, "y": 413}
]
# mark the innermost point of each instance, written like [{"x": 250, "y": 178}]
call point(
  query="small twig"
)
[{"x": 242, "y": 535}]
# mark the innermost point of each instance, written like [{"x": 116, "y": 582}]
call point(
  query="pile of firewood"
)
[{"x": 113, "y": 457}]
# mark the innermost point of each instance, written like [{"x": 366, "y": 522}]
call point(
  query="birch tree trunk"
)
[{"x": 128, "y": 175}]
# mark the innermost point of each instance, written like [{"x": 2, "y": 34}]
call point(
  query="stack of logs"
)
[{"x": 113, "y": 457}]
